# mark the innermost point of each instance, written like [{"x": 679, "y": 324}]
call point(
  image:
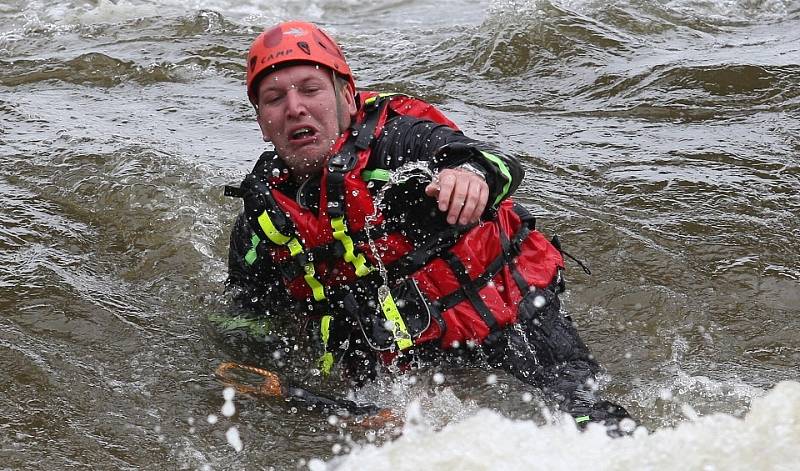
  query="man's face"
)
[{"x": 297, "y": 112}]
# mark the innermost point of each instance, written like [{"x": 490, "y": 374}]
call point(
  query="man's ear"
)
[
  {"x": 349, "y": 110},
  {"x": 264, "y": 134},
  {"x": 350, "y": 101}
]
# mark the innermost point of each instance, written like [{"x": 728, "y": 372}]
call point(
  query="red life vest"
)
[{"x": 469, "y": 291}]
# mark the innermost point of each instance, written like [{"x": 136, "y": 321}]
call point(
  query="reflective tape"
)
[
  {"x": 400, "y": 330},
  {"x": 582, "y": 419},
  {"x": 252, "y": 254},
  {"x": 359, "y": 262},
  {"x": 379, "y": 174},
  {"x": 316, "y": 287},
  {"x": 326, "y": 360},
  {"x": 271, "y": 231},
  {"x": 498, "y": 162}
]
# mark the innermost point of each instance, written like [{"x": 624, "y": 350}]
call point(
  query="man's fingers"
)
[
  {"x": 477, "y": 195},
  {"x": 457, "y": 201},
  {"x": 447, "y": 181},
  {"x": 461, "y": 194}
]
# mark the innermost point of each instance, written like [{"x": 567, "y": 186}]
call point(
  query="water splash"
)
[
  {"x": 397, "y": 177},
  {"x": 718, "y": 441}
]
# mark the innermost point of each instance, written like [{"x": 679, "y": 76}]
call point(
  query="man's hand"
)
[{"x": 461, "y": 194}]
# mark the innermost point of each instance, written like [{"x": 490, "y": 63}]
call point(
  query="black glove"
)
[{"x": 606, "y": 413}]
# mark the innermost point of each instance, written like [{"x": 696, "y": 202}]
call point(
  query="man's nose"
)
[{"x": 295, "y": 106}]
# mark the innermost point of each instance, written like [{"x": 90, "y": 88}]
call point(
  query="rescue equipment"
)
[
  {"x": 459, "y": 286},
  {"x": 293, "y": 41},
  {"x": 369, "y": 415}
]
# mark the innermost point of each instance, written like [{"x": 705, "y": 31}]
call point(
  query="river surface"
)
[{"x": 661, "y": 143}]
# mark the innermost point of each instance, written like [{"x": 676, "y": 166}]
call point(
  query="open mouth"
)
[{"x": 302, "y": 133}]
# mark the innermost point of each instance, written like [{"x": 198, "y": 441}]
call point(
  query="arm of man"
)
[{"x": 473, "y": 175}]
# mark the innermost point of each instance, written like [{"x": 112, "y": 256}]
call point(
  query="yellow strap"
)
[
  {"x": 391, "y": 312},
  {"x": 326, "y": 363},
  {"x": 325, "y": 330},
  {"x": 326, "y": 360},
  {"x": 340, "y": 233},
  {"x": 371, "y": 100},
  {"x": 295, "y": 248},
  {"x": 316, "y": 286},
  {"x": 269, "y": 229}
]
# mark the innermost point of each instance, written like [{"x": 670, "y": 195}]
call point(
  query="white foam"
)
[
  {"x": 116, "y": 11},
  {"x": 767, "y": 438}
]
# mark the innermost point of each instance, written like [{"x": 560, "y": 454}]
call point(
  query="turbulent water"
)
[{"x": 660, "y": 140}]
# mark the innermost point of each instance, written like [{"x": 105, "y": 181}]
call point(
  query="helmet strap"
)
[{"x": 336, "y": 91}]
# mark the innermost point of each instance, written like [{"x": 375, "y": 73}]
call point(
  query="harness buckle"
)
[{"x": 343, "y": 161}]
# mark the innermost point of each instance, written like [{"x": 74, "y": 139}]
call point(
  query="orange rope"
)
[
  {"x": 384, "y": 418},
  {"x": 270, "y": 387}
]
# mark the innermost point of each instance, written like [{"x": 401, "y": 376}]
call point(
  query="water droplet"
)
[
  {"x": 527, "y": 397},
  {"x": 232, "y": 435},
  {"x": 228, "y": 409}
]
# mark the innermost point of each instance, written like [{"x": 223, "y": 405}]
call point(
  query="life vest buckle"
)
[{"x": 343, "y": 162}]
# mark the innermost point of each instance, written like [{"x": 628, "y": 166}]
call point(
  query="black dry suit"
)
[{"x": 294, "y": 247}]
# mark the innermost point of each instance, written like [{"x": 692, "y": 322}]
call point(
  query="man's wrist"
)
[{"x": 476, "y": 169}]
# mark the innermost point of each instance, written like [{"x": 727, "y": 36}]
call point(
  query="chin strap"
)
[{"x": 336, "y": 90}]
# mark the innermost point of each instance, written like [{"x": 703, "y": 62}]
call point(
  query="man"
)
[{"x": 443, "y": 266}]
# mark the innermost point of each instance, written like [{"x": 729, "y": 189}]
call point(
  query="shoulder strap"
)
[{"x": 269, "y": 167}]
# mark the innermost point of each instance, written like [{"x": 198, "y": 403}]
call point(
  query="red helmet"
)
[{"x": 289, "y": 42}]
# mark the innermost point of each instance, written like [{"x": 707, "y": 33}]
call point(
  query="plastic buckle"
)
[{"x": 343, "y": 161}]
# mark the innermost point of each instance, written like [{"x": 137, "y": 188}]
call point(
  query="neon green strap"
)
[
  {"x": 251, "y": 255},
  {"x": 379, "y": 174},
  {"x": 372, "y": 100},
  {"x": 271, "y": 231},
  {"x": 313, "y": 283},
  {"x": 498, "y": 162},
  {"x": 391, "y": 312},
  {"x": 582, "y": 419},
  {"x": 295, "y": 248},
  {"x": 340, "y": 234},
  {"x": 326, "y": 360}
]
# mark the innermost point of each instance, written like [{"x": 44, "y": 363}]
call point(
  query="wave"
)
[{"x": 489, "y": 441}]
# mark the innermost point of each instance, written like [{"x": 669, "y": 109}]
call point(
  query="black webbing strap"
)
[
  {"x": 426, "y": 249},
  {"x": 234, "y": 191},
  {"x": 557, "y": 244},
  {"x": 323, "y": 252},
  {"x": 470, "y": 290},
  {"x": 510, "y": 252},
  {"x": 346, "y": 159},
  {"x": 510, "y": 249},
  {"x": 338, "y": 165},
  {"x": 450, "y": 300}
]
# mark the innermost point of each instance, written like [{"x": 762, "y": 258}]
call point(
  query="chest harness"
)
[{"x": 459, "y": 286}]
